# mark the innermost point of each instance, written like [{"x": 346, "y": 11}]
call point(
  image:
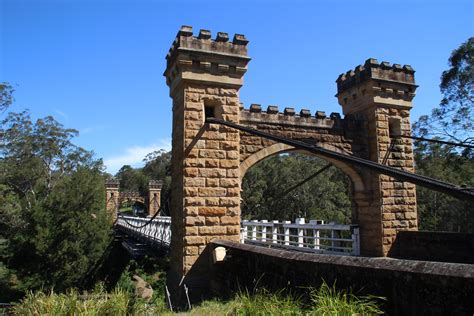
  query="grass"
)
[{"x": 323, "y": 301}]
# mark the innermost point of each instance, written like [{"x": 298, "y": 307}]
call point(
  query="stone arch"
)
[{"x": 278, "y": 148}]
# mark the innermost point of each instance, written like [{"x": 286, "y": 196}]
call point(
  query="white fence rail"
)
[
  {"x": 158, "y": 232},
  {"x": 314, "y": 236}
]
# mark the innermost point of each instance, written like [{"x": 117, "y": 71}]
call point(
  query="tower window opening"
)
[
  {"x": 394, "y": 127},
  {"x": 209, "y": 111}
]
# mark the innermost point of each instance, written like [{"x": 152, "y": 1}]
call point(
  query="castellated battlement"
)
[
  {"x": 155, "y": 184},
  {"x": 202, "y": 54},
  {"x": 272, "y": 115},
  {"x": 376, "y": 83},
  {"x": 374, "y": 70},
  {"x": 112, "y": 183}
]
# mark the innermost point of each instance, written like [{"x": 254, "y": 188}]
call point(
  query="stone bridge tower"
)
[
  {"x": 209, "y": 160},
  {"x": 154, "y": 196},
  {"x": 382, "y": 94},
  {"x": 112, "y": 196},
  {"x": 204, "y": 76}
]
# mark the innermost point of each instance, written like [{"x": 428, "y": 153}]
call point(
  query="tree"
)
[
  {"x": 454, "y": 118},
  {"x": 325, "y": 197},
  {"x": 158, "y": 167},
  {"x": 54, "y": 225},
  {"x": 6, "y": 96},
  {"x": 132, "y": 180}
]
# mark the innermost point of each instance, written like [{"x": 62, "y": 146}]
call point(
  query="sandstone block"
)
[
  {"x": 229, "y": 201},
  {"x": 191, "y": 231},
  {"x": 212, "y": 230},
  {"x": 211, "y": 211},
  {"x": 212, "y": 201},
  {"x": 232, "y": 155},
  {"x": 233, "y": 192},
  {"x": 212, "y": 182},
  {"x": 191, "y": 210},
  {"x": 210, "y": 192},
  {"x": 190, "y": 172},
  {"x": 194, "y": 201},
  {"x": 233, "y": 230},
  {"x": 212, "y": 220},
  {"x": 194, "y": 240},
  {"x": 230, "y": 220},
  {"x": 210, "y": 153},
  {"x": 194, "y": 220},
  {"x": 191, "y": 250},
  {"x": 229, "y": 183}
]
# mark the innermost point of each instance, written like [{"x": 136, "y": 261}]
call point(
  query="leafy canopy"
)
[
  {"x": 54, "y": 227},
  {"x": 453, "y": 119}
]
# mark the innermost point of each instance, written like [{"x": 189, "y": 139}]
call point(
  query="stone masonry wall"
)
[
  {"x": 204, "y": 76},
  {"x": 210, "y": 172},
  {"x": 383, "y": 93}
]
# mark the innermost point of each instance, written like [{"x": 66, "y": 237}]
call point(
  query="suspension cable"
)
[
  {"x": 305, "y": 180},
  {"x": 437, "y": 141},
  {"x": 149, "y": 221},
  {"x": 398, "y": 174}
]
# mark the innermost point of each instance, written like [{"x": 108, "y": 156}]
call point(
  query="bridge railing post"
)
[
  {"x": 264, "y": 230},
  {"x": 300, "y": 231},
  {"x": 286, "y": 232},
  {"x": 316, "y": 234},
  {"x": 356, "y": 241},
  {"x": 244, "y": 232},
  {"x": 254, "y": 230},
  {"x": 275, "y": 232}
]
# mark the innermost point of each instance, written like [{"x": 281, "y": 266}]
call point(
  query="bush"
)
[
  {"x": 71, "y": 303},
  {"x": 329, "y": 301}
]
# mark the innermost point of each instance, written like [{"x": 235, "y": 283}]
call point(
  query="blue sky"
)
[{"x": 97, "y": 65}]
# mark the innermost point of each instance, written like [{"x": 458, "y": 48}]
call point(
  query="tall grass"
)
[
  {"x": 323, "y": 301},
  {"x": 329, "y": 301},
  {"x": 71, "y": 303}
]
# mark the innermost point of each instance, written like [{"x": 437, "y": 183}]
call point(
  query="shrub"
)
[{"x": 329, "y": 301}]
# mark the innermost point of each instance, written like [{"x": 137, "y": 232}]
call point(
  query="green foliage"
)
[
  {"x": 150, "y": 269},
  {"x": 54, "y": 226},
  {"x": 265, "y": 303},
  {"x": 324, "y": 197},
  {"x": 71, "y": 303},
  {"x": 6, "y": 96},
  {"x": 132, "y": 180},
  {"x": 157, "y": 167},
  {"x": 454, "y": 118},
  {"x": 329, "y": 301},
  {"x": 324, "y": 301},
  {"x": 438, "y": 211}
]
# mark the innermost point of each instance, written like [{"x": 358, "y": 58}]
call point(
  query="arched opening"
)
[
  {"x": 290, "y": 185},
  {"x": 133, "y": 207},
  {"x": 291, "y": 198}
]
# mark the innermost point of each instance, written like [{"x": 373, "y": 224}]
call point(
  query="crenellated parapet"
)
[
  {"x": 376, "y": 83},
  {"x": 112, "y": 183},
  {"x": 155, "y": 184},
  {"x": 289, "y": 116},
  {"x": 201, "y": 58}
]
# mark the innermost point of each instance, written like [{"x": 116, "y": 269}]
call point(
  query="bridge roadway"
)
[{"x": 314, "y": 237}]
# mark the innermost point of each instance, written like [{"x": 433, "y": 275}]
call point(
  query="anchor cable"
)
[{"x": 401, "y": 175}]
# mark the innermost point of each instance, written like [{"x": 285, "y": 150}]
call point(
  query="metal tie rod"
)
[
  {"x": 401, "y": 175},
  {"x": 438, "y": 141}
]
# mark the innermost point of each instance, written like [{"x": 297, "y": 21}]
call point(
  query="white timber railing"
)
[
  {"x": 314, "y": 236},
  {"x": 157, "y": 232}
]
